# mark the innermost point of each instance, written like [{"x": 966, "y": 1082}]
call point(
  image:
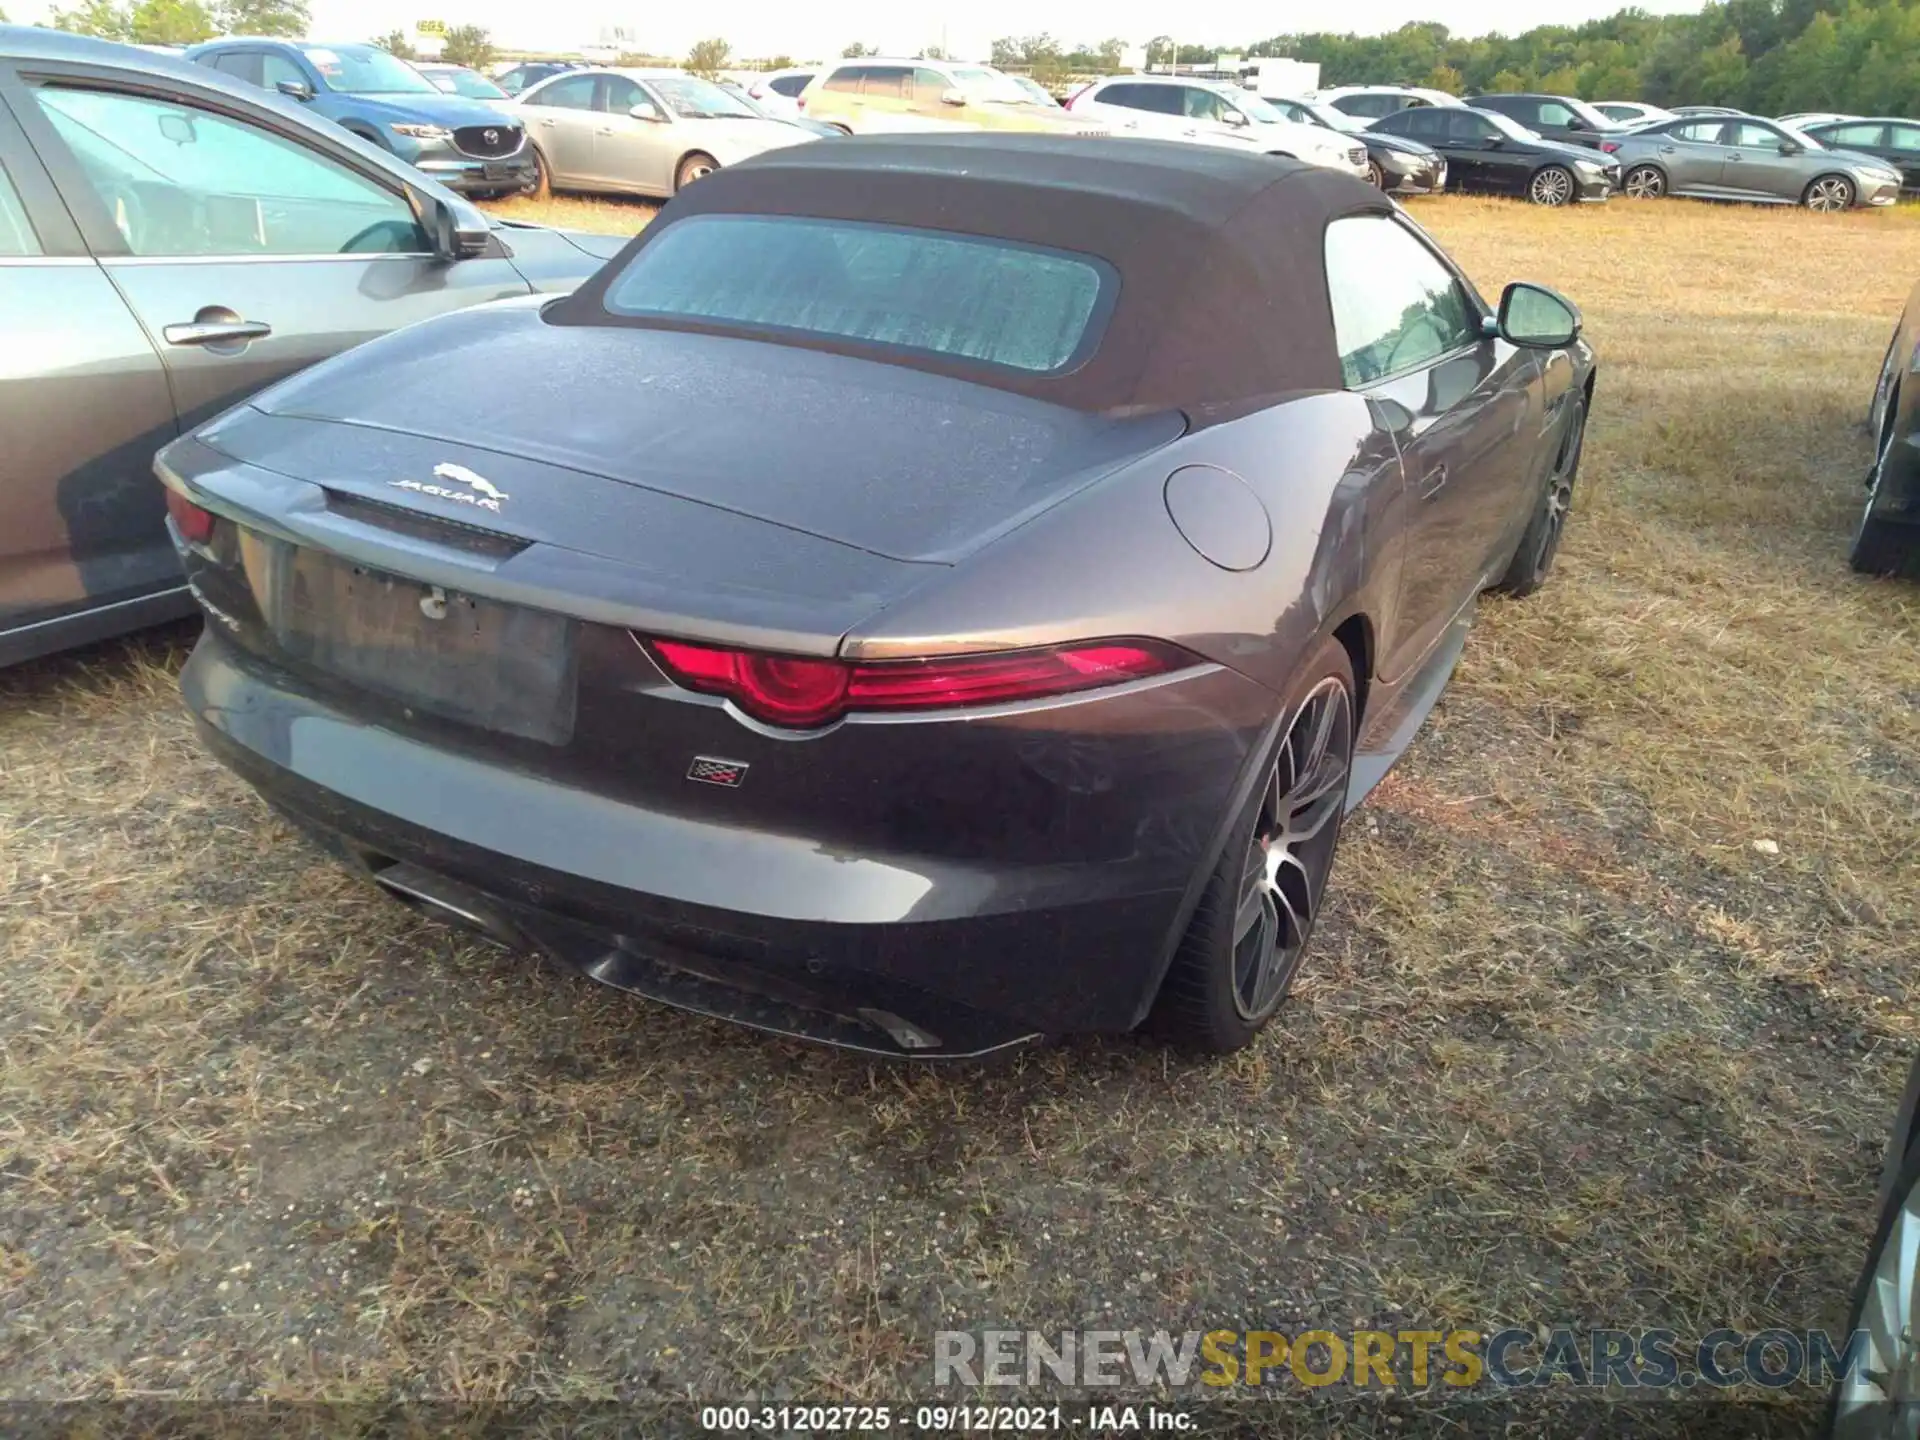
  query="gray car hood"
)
[{"x": 896, "y": 462}]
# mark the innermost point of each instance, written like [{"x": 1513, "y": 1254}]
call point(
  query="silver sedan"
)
[
  {"x": 1714, "y": 157},
  {"x": 640, "y": 132}
]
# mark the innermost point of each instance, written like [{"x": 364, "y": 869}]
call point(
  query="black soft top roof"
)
[{"x": 1223, "y": 294}]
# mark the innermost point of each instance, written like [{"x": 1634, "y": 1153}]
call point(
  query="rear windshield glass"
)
[{"x": 992, "y": 301}]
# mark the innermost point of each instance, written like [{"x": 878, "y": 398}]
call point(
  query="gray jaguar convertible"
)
[{"x": 923, "y": 594}]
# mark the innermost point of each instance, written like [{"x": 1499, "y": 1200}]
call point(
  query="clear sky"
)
[{"x": 814, "y": 29}]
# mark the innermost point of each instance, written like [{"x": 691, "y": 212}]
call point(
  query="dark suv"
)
[
  {"x": 467, "y": 145},
  {"x": 1553, "y": 117}
]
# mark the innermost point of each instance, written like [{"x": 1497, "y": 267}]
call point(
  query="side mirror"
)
[
  {"x": 455, "y": 229},
  {"x": 1494, "y": 142},
  {"x": 1538, "y": 318},
  {"x": 953, "y": 95},
  {"x": 178, "y": 128},
  {"x": 296, "y": 89},
  {"x": 1234, "y": 118},
  {"x": 1792, "y": 147},
  {"x": 647, "y": 110},
  {"x": 1574, "y": 122}
]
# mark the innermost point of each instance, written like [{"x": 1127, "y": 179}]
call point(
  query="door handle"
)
[
  {"x": 1666, "y": 149},
  {"x": 1432, "y": 481},
  {"x": 547, "y": 121},
  {"x": 217, "y": 332},
  {"x": 607, "y": 131}
]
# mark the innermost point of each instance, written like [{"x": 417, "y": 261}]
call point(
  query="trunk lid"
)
[{"x": 895, "y": 462}]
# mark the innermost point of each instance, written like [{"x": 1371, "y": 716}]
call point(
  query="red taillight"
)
[
  {"x": 194, "y": 524},
  {"x": 800, "y": 102},
  {"x": 1612, "y": 147},
  {"x": 801, "y": 693}
]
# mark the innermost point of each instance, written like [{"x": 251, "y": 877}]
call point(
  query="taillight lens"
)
[
  {"x": 1612, "y": 147},
  {"x": 801, "y": 693},
  {"x": 194, "y": 524},
  {"x": 800, "y": 102}
]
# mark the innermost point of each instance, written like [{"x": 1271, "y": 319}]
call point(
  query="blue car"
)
[{"x": 467, "y": 145}]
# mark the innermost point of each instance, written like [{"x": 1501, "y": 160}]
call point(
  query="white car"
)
[
  {"x": 1633, "y": 112},
  {"x": 778, "y": 91},
  {"x": 1813, "y": 117},
  {"x": 1368, "y": 103},
  {"x": 1163, "y": 107}
]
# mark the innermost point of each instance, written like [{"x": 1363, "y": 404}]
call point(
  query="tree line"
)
[{"x": 1772, "y": 57}]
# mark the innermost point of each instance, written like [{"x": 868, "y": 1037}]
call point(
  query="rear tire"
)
[
  {"x": 1882, "y": 546},
  {"x": 1255, "y": 918},
  {"x": 696, "y": 166},
  {"x": 1644, "y": 182},
  {"x": 1376, "y": 177},
  {"x": 1533, "y": 558},
  {"x": 542, "y": 186}
]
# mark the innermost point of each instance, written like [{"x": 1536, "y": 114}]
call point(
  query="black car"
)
[
  {"x": 1886, "y": 540},
  {"x": 531, "y": 72},
  {"x": 1489, "y": 152},
  {"x": 1894, "y": 140},
  {"x": 1553, "y": 117},
  {"x": 1394, "y": 163}
]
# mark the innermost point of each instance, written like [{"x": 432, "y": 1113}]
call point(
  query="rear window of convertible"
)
[{"x": 996, "y": 302}]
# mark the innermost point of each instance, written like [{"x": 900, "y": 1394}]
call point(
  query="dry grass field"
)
[{"x": 1572, "y": 1049}]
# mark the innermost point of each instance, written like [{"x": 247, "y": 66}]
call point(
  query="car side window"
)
[
  {"x": 618, "y": 94},
  {"x": 845, "y": 80},
  {"x": 1903, "y": 137},
  {"x": 1862, "y": 134},
  {"x": 1697, "y": 132},
  {"x": 1395, "y": 306},
  {"x": 1198, "y": 104},
  {"x": 1756, "y": 137},
  {"x": 1552, "y": 112},
  {"x": 240, "y": 64},
  {"x": 277, "y": 68},
  {"x": 1463, "y": 125},
  {"x": 929, "y": 86},
  {"x": 180, "y": 181},
  {"x": 16, "y": 232},
  {"x": 888, "y": 82},
  {"x": 572, "y": 92},
  {"x": 1425, "y": 124},
  {"x": 789, "y": 85}
]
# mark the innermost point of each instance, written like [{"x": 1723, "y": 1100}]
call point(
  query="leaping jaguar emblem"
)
[{"x": 480, "y": 490}]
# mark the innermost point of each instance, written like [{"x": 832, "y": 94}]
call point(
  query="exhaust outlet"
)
[{"x": 449, "y": 900}]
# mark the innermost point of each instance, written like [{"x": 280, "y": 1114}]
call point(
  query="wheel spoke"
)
[{"x": 1252, "y": 909}]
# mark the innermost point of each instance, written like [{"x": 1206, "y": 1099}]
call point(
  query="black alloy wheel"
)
[
  {"x": 1533, "y": 558},
  {"x": 1882, "y": 546},
  {"x": 1257, "y": 914}
]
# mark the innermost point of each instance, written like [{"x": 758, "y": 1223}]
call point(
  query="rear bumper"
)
[{"x": 780, "y": 931}]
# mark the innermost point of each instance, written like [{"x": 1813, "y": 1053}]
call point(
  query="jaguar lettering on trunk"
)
[{"x": 484, "y": 492}]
